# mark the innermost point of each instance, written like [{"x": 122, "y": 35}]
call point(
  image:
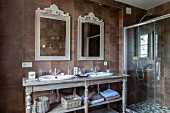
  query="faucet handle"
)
[
  {"x": 50, "y": 71},
  {"x": 57, "y": 71},
  {"x": 96, "y": 68}
]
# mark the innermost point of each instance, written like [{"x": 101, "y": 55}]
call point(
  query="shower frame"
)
[{"x": 125, "y": 70}]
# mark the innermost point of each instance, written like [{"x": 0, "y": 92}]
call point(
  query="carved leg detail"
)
[
  {"x": 86, "y": 99},
  {"x": 28, "y": 102},
  {"x": 86, "y": 91},
  {"x": 124, "y": 96}
]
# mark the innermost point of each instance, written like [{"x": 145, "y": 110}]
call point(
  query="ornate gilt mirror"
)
[
  {"x": 90, "y": 38},
  {"x": 52, "y": 36}
]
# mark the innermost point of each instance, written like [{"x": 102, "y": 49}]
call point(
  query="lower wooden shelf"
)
[
  {"x": 106, "y": 102},
  {"x": 60, "y": 109},
  {"x": 105, "y": 110}
]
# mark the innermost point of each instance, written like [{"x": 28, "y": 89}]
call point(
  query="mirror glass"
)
[
  {"x": 90, "y": 38},
  {"x": 52, "y": 39}
]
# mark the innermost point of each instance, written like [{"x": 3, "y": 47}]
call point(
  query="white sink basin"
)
[
  {"x": 58, "y": 77},
  {"x": 99, "y": 74},
  {"x": 47, "y": 77},
  {"x": 64, "y": 77}
]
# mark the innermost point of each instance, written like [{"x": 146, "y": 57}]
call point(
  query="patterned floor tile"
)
[{"x": 149, "y": 107}]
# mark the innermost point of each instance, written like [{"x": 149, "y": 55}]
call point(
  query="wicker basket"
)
[
  {"x": 71, "y": 101},
  {"x": 41, "y": 104}
]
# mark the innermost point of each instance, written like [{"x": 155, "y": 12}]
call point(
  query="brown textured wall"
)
[
  {"x": 161, "y": 9},
  {"x": 166, "y": 64},
  {"x": 17, "y": 38}
]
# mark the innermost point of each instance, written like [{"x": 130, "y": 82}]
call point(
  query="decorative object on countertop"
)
[
  {"x": 31, "y": 75},
  {"x": 81, "y": 73},
  {"x": 71, "y": 101},
  {"x": 41, "y": 105},
  {"x": 82, "y": 76}
]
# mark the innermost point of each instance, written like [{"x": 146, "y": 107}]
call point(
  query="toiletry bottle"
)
[
  {"x": 75, "y": 70},
  {"x": 68, "y": 70},
  {"x": 40, "y": 72},
  {"x": 80, "y": 71}
]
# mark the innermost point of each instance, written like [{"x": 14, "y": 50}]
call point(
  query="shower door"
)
[{"x": 142, "y": 63}]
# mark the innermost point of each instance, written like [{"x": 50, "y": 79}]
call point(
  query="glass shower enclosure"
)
[{"x": 144, "y": 57}]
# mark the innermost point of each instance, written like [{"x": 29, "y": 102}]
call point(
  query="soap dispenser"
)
[{"x": 40, "y": 72}]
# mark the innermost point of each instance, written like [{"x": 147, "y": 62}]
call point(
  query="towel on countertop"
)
[
  {"x": 112, "y": 98},
  {"x": 109, "y": 93}
]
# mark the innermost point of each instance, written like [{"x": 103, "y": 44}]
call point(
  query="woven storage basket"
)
[
  {"x": 71, "y": 101},
  {"x": 41, "y": 104}
]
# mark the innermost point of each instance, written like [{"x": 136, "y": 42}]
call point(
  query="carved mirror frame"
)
[
  {"x": 90, "y": 18},
  {"x": 52, "y": 12}
]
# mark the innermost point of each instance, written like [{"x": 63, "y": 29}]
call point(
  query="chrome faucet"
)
[
  {"x": 95, "y": 69},
  {"x": 56, "y": 71}
]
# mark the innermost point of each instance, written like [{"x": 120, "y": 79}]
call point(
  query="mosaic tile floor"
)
[{"x": 149, "y": 107}]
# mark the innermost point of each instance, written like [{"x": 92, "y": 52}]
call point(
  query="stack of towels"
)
[
  {"x": 107, "y": 95},
  {"x": 110, "y": 94},
  {"x": 94, "y": 98}
]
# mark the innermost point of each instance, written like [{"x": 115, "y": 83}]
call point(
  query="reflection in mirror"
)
[
  {"x": 52, "y": 37},
  {"x": 90, "y": 38},
  {"x": 52, "y": 34}
]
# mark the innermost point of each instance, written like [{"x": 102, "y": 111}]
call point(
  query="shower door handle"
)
[{"x": 158, "y": 70}]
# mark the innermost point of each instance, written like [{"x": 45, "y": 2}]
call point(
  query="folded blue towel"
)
[
  {"x": 109, "y": 93},
  {"x": 94, "y": 101}
]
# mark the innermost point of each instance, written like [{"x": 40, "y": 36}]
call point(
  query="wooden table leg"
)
[
  {"x": 28, "y": 99},
  {"x": 124, "y": 96},
  {"x": 86, "y": 97}
]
